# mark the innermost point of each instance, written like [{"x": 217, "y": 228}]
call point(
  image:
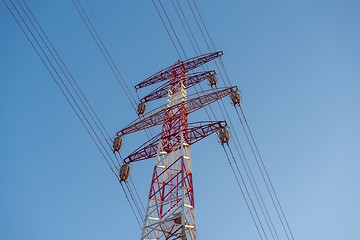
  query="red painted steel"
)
[
  {"x": 190, "y": 81},
  {"x": 187, "y": 65},
  {"x": 175, "y": 124},
  {"x": 152, "y": 119},
  {"x": 170, "y": 213},
  {"x": 194, "y": 134}
]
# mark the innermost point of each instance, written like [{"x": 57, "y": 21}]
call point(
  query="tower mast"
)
[{"x": 170, "y": 210}]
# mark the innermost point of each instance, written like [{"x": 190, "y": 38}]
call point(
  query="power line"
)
[
  {"x": 137, "y": 194},
  {"x": 132, "y": 208},
  {"x": 52, "y": 66},
  {"x": 176, "y": 36},
  {"x": 67, "y": 70},
  {"x": 263, "y": 176},
  {"x": 203, "y": 22},
  {"x": 183, "y": 25},
  {"x": 141, "y": 214},
  {"x": 266, "y": 172},
  {"x": 104, "y": 52},
  {"x": 114, "y": 68},
  {"x": 227, "y": 77},
  {"x": 243, "y": 194},
  {"x": 163, "y": 22},
  {"x": 56, "y": 72},
  {"x": 258, "y": 196}
]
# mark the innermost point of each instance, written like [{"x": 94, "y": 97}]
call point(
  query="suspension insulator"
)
[
  {"x": 141, "y": 108},
  {"x": 213, "y": 81},
  {"x": 117, "y": 144},
  {"x": 235, "y": 98},
  {"x": 124, "y": 172},
  {"x": 224, "y": 135}
]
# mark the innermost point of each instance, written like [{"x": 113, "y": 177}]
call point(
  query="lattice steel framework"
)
[{"x": 170, "y": 210}]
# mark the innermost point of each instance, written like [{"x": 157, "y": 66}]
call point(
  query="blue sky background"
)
[{"x": 296, "y": 63}]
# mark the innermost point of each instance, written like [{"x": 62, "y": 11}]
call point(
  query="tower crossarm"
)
[
  {"x": 196, "y": 132},
  {"x": 188, "y": 65},
  {"x": 191, "y": 80},
  {"x": 152, "y": 119}
]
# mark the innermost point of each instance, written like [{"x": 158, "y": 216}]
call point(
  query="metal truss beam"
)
[
  {"x": 152, "y": 119},
  {"x": 187, "y": 65},
  {"x": 191, "y": 80},
  {"x": 194, "y": 134}
]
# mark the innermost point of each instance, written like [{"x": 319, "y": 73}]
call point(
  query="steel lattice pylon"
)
[
  {"x": 170, "y": 209},
  {"x": 170, "y": 212}
]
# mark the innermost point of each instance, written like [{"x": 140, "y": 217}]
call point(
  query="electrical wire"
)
[
  {"x": 211, "y": 40},
  {"x": 46, "y": 57},
  {"x": 227, "y": 77},
  {"x": 203, "y": 22},
  {"x": 258, "y": 195},
  {"x": 222, "y": 64},
  {"x": 107, "y": 40},
  {"x": 172, "y": 28},
  {"x": 243, "y": 193},
  {"x": 265, "y": 170},
  {"x": 253, "y": 188},
  {"x": 210, "y": 107},
  {"x": 68, "y": 72},
  {"x": 137, "y": 201},
  {"x": 174, "y": 32},
  {"x": 99, "y": 42},
  {"x": 137, "y": 194},
  {"x": 218, "y": 102},
  {"x": 263, "y": 176},
  {"x": 256, "y": 189},
  {"x": 54, "y": 68},
  {"x": 163, "y": 22},
  {"x": 139, "y": 211},
  {"x": 106, "y": 54},
  {"x": 69, "y": 81},
  {"x": 132, "y": 208},
  {"x": 183, "y": 25}
]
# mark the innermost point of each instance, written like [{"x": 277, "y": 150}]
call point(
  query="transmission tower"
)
[{"x": 170, "y": 212}]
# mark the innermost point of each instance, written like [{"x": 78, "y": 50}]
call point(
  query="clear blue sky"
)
[{"x": 297, "y": 64}]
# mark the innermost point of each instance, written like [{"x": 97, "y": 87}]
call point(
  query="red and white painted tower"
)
[
  {"x": 170, "y": 209},
  {"x": 170, "y": 212}
]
